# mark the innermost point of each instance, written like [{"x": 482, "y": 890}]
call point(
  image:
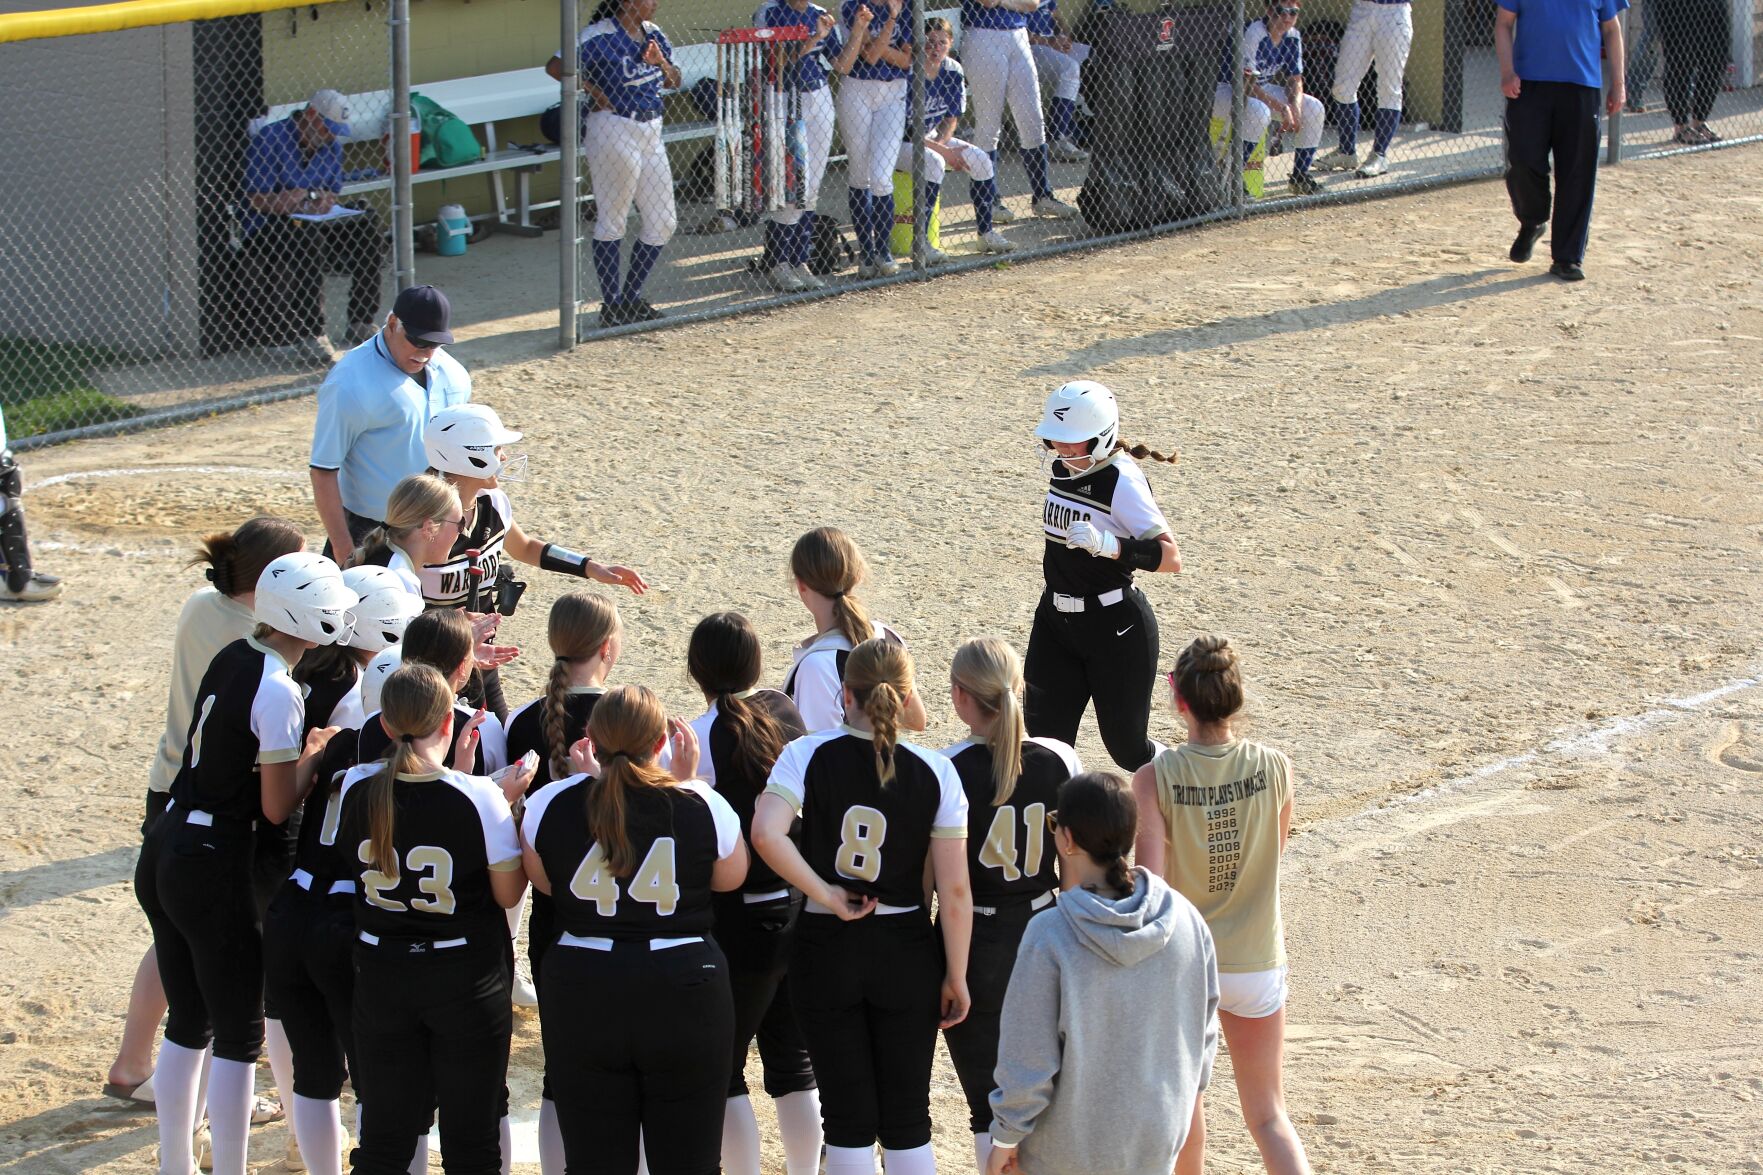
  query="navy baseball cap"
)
[{"x": 423, "y": 312}]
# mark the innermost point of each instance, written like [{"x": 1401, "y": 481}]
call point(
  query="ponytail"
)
[
  {"x": 236, "y": 560},
  {"x": 989, "y": 670},
  {"x": 828, "y": 562},
  {"x": 723, "y": 658},
  {"x": 414, "y": 501},
  {"x": 579, "y": 626},
  {"x": 414, "y": 703},
  {"x": 1118, "y": 873},
  {"x": 1098, "y": 809},
  {"x": 879, "y": 676},
  {"x": 1141, "y": 452},
  {"x": 627, "y": 723},
  {"x": 554, "y": 712}
]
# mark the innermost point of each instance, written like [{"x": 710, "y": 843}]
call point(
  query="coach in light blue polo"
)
[{"x": 371, "y": 411}]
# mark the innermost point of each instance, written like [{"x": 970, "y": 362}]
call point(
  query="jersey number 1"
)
[
  {"x": 999, "y": 851},
  {"x": 656, "y": 881}
]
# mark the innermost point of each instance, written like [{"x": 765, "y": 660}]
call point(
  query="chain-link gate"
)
[{"x": 1691, "y": 75}]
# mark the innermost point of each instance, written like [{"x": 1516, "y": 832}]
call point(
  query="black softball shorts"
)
[
  {"x": 431, "y": 1027},
  {"x": 973, "y": 1043},
  {"x": 638, "y": 1040},
  {"x": 194, "y": 884},
  {"x": 309, "y": 977},
  {"x": 1108, "y": 654},
  {"x": 868, "y": 995},
  {"x": 756, "y": 938}
]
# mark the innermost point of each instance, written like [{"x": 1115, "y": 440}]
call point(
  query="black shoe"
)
[
  {"x": 1303, "y": 183},
  {"x": 613, "y": 314},
  {"x": 641, "y": 311},
  {"x": 1525, "y": 241},
  {"x": 1567, "y": 271}
]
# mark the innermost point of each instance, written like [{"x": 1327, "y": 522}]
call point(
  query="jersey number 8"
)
[
  {"x": 655, "y": 881},
  {"x": 860, "y": 843},
  {"x": 999, "y": 851},
  {"x": 434, "y": 863}
]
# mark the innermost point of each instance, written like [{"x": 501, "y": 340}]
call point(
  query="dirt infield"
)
[{"x": 1489, "y": 544}]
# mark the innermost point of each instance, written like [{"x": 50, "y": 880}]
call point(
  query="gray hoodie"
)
[{"x": 1108, "y": 1033}]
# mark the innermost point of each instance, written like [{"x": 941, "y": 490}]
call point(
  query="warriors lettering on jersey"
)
[
  {"x": 446, "y": 585},
  {"x": 1112, "y": 496}
]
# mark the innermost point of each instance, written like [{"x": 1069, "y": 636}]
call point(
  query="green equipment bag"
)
[{"x": 446, "y": 139}]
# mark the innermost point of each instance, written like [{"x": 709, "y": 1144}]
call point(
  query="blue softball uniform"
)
[
  {"x": 1265, "y": 57},
  {"x": 612, "y": 60},
  {"x": 945, "y": 97},
  {"x": 880, "y": 71},
  {"x": 975, "y": 15},
  {"x": 1040, "y": 21},
  {"x": 810, "y": 72}
]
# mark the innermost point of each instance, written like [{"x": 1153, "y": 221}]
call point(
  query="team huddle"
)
[{"x": 357, "y": 821}]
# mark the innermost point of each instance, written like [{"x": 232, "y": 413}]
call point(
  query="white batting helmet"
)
[
  {"x": 463, "y": 440},
  {"x": 1082, "y": 410},
  {"x": 373, "y": 678},
  {"x": 304, "y": 596},
  {"x": 386, "y": 606}
]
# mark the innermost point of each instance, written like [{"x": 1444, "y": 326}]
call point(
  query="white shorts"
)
[{"x": 1252, "y": 994}]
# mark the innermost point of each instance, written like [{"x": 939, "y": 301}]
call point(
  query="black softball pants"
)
[
  {"x": 1106, "y": 653},
  {"x": 868, "y": 995},
  {"x": 309, "y": 978},
  {"x": 431, "y": 1027},
  {"x": 973, "y": 1043},
  {"x": 637, "y": 1044},
  {"x": 1696, "y": 37},
  {"x": 1558, "y": 119},
  {"x": 756, "y": 938},
  {"x": 194, "y": 884}
]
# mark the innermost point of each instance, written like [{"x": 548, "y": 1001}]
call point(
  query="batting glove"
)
[{"x": 1084, "y": 537}]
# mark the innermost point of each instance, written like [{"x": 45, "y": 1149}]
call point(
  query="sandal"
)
[
  {"x": 139, "y": 1094},
  {"x": 265, "y": 1110}
]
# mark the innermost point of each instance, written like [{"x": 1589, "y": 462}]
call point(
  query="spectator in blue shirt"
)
[
  {"x": 1549, "y": 71},
  {"x": 294, "y": 174}
]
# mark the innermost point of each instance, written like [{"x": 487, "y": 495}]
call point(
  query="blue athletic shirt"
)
[
  {"x": 274, "y": 163},
  {"x": 613, "y": 61},
  {"x": 810, "y": 71},
  {"x": 1040, "y": 21},
  {"x": 975, "y": 15},
  {"x": 881, "y": 71},
  {"x": 1560, "y": 40},
  {"x": 1264, "y": 56},
  {"x": 945, "y": 97}
]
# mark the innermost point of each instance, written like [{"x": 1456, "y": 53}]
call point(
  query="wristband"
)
[
  {"x": 562, "y": 560},
  {"x": 1143, "y": 554}
]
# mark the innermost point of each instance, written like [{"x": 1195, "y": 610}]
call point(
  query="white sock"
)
[
  {"x": 920, "y": 1160},
  {"x": 231, "y": 1087},
  {"x": 176, "y": 1079},
  {"x": 419, "y": 1162},
  {"x": 740, "y": 1137},
  {"x": 851, "y": 1160},
  {"x": 505, "y": 1128},
  {"x": 642, "y": 1157},
  {"x": 551, "y": 1161},
  {"x": 514, "y": 914},
  {"x": 982, "y": 1150},
  {"x": 318, "y": 1130},
  {"x": 202, "y": 1087},
  {"x": 281, "y": 1064},
  {"x": 798, "y": 1121}
]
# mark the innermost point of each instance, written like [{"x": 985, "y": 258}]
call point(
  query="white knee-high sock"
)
[
  {"x": 505, "y": 1129},
  {"x": 281, "y": 1062},
  {"x": 176, "y": 1079},
  {"x": 642, "y": 1157},
  {"x": 318, "y": 1130},
  {"x": 798, "y": 1122},
  {"x": 851, "y": 1160},
  {"x": 419, "y": 1162},
  {"x": 920, "y": 1160},
  {"x": 202, "y": 1087},
  {"x": 740, "y": 1137},
  {"x": 982, "y": 1150},
  {"x": 231, "y": 1088},
  {"x": 551, "y": 1160}
]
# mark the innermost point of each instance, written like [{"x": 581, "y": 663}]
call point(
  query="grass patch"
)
[{"x": 47, "y": 387}]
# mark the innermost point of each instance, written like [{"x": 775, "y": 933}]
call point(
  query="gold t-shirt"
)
[{"x": 1221, "y": 809}]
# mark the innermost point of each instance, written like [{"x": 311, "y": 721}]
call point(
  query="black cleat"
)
[
  {"x": 1567, "y": 271},
  {"x": 1525, "y": 241}
]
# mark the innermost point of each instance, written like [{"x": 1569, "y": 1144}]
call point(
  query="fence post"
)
[
  {"x": 920, "y": 213},
  {"x": 403, "y": 203},
  {"x": 1239, "y": 93},
  {"x": 569, "y": 208}
]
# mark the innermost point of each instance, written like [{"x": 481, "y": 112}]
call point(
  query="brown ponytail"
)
[
  {"x": 414, "y": 702},
  {"x": 236, "y": 560},
  {"x": 827, "y": 561},
  {"x": 1141, "y": 452},
  {"x": 1208, "y": 679},
  {"x": 627, "y": 724},
  {"x": 723, "y": 658},
  {"x": 879, "y": 676},
  {"x": 1098, "y": 809},
  {"x": 989, "y": 670},
  {"x": 579, "y": 626}
]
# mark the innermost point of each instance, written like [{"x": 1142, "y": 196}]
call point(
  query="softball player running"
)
[
  {"x": 945, "y": 97},
  {"x": 789, "y": 232},
  {"x": 828, "y": 568},
  {"x": 435, "y": 859},
  {"x": 1012, "y": 787},
  {"x": 872, "y": 108},
  {"x": 739, "y": 738},
  {"x": 1272, "y": 46},
  {"x": 1058, "y": 58},
  {"x": 867, "y": 979},
  {"x": 22, "y": 583},
  {"x": 1001, "y": 68},
  {"x": 631, "y": 857},
  {"x": 626, "y": 60},
  {"x": 1094, "y": 633},
  {"x": 194, "y": 877},
  {"x": 1380, "y": 31}
]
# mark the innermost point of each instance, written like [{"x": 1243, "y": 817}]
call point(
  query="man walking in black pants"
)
[{"x": 1550, "y": 74}]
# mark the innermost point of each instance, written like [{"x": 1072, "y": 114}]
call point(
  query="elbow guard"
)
[
  {"x": 563, "y": 561},
  {"x": 1141, "y": 554}
]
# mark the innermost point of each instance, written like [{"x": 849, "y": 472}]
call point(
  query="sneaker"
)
[
  {"x": 1375, "y": 165},
  {"x": 1066, "y": 151},
  {"x": 38, "y": 588},
  {"x": 203, "y": 1148},
  {"x": 866, "y": 270},
  {"x": 641, "y": 311},
  {"x": 887, "y": 267},
  {"x": 993, "y": 241},
  {"x": 612, "y": 314},
  {"x": 1303, "y": 184},
  {"x": 1050, "y": 207},
  {"x": 809, "y": 279},
  {"x": 1001, "y": 214},
  {"x": 935, "y": 256},
  {"x": 291, "y": 1160},
  {"x": 524, "y": 994},
  {"x": 1525, "y": 241},
  {"x": 1705, "y": 133},
  {"x": 1567, "y": 271},
  {"x": 1338, "y": 160},
  {"x": 1686, "y": 135},
  {"x": 783, "y": 277}
]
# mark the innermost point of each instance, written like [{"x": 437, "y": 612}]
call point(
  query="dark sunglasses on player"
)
[{"x": 1286, "y": 11}]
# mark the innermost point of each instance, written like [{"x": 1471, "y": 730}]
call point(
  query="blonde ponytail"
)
[
  {"x": 879, "y": 676},
  {"x": 579, "y": 626},
  {"x": 627, "y": 724},
  {"x": 989, "y": 670}
]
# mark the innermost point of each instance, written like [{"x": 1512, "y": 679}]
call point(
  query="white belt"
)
[
  {"x": 754, "y": 899},
  {"x": 1041, "y": 902},
  {"x": 814, "y": 907},
  {"x": 373, "y": 940},
  {"x": 305, "y": 880},
  {"x": 567, "y": 939},
  {"x": 1064, "y": 603}
]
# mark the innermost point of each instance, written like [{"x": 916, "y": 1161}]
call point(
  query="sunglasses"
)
[
  {"x": 416, "y": 344},
  {"x": 457, "y": 524},
  {"x": 1286, "y": 11},
  {"x": 1053, "y": 821}
]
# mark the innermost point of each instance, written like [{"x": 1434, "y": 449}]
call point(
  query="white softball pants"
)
[
  {"x": 872, "y": 116},
  {"x": 817, "y": 128},
  {"x": 627, "y": 164},
  {"x": 979, "y": 164},
  {"x": 1256, "y": 114},
  {"x": 1001, "y": 69},
  {"x": 1064, "y": 70},
  {"x": 1375, "y": 32}
]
